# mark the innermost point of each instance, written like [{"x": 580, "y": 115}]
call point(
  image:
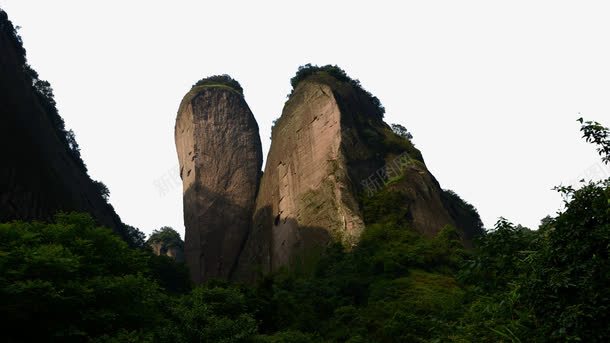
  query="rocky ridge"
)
[{"x": 331, "y": 156}]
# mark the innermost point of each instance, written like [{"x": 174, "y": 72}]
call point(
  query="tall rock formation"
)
[
  {"x": 331, "y": 152},
  {"x": 41, "y": 172},
  {"x": 220, "y": 156},
  {"x": 167, "y": 242}
]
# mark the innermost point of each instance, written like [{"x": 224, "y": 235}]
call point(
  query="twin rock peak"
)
[{"x": 330, "y": 151}]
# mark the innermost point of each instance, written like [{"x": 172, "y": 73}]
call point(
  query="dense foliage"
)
[
  {"x": 72, "y": 281},
  {"x": 167, "y": 236},
  {"x": 402, "y": 131},
  {"x": 466, "y": 215},
  {"x": 133, "y": 236},
  {"x": 102, "y": 190},
  {"x": 222, "y": 80},
  {"x": 339, "y": 75},
  {"x": 596, "y": 133}
]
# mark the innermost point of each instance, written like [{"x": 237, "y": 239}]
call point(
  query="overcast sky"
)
[{"x": 490, "y": 90}]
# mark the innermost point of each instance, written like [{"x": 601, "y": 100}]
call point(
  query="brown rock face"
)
[
  {"x": 330, "y": 151},
  {"x": 38, "y": 176},
  {"x": 333, "y": 163},
  {"x": 175, "y": 252},
  {"x": 305, "y": 199},
  {"x": 220, "y": 158}
]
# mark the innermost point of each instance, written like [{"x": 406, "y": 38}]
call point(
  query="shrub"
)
[
  {"x": 72, "y": 281},
  {"x": 223, "y": 79},
  {"x": 338, "y": 74}
]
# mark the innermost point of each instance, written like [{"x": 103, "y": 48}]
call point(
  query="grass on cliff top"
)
[
  {"x": 333, "y": 75},
  {"x": 348, "y": 90},
  {"x": 338, "y": 80},
  {"x": 197, "y": 89},
  {"x": 223, "y": 79}
]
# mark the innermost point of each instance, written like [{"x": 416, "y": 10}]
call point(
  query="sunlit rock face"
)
[
  {"x": 220, "y": 157},
  {"x": 173, "y": 251},
  {"x": 330, "y": 151},
  {"x": 305, "y": 199}
]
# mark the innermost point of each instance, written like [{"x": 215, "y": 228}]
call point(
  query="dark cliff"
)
[{"x": 41, "y": 172}]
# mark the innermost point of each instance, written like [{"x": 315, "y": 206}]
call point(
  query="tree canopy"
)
[
  {"x": 306, "y": 71},
  {"x": 223, "y": 79},
  {"x": 402, "y": 131},
  {"x": 74, "y": 281},
  {"x": 167, "y": 236}
]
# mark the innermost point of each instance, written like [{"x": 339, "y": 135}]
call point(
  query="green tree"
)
[
  {"x": 569, "y": 272},
  {"x": 72, "y": 281},
  {"x": 568, "y": 282},
  {"x": 308, "y": 70},
  {"x": 171, "y": 274},
  {"x": 134, "y": 237},
  {"x": 223, "y": 79},
  {"x": 548, "y": 285},
  {"x": 212, "y": 314},
  {"x": 594, "y": 132},
  {"x": 166, "y": 236},
  {"x": 102, "y": 189},
  {"x": 402, "y": 131}
]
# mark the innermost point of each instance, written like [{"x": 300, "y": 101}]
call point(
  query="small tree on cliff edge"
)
[
  {"x": 167, "y": 236},
  {"x": 402, "y": 131}
]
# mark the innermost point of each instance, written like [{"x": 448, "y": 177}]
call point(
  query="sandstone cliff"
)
[
  {"x": 220, "y": 158},
  {"x": 39, "y": 171},
  {"x": 174, "y": 252},
  {"x": 167, "y": 242},
  {"x": 331, "y": 151}
]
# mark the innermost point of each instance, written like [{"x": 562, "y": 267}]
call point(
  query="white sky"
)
[{"x": 490, "y": 90}]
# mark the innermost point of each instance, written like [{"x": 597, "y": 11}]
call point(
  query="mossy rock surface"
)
[{"x": 199, "y": 89}]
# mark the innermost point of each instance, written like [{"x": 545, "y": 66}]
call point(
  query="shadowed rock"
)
[
  {"x": 220, "y": 156},
  {"x": 39, "y": 174}
]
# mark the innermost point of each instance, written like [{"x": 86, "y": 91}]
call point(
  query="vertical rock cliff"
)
[
  {"x": 332, "y": 152},
  {"x": 220, "y": 156},
  {"x": 41, "y": 172},
  {"x": 305, "y": 198}
]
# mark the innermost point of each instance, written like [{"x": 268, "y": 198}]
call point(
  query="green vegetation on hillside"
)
[
  {"x": 322, "y": 73},
  {"x": 466, "y": 216},
  {"x": 402, "y": 131},
  {"x": 72, "y": 281},
  {"x": 167, "y": 236}
]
